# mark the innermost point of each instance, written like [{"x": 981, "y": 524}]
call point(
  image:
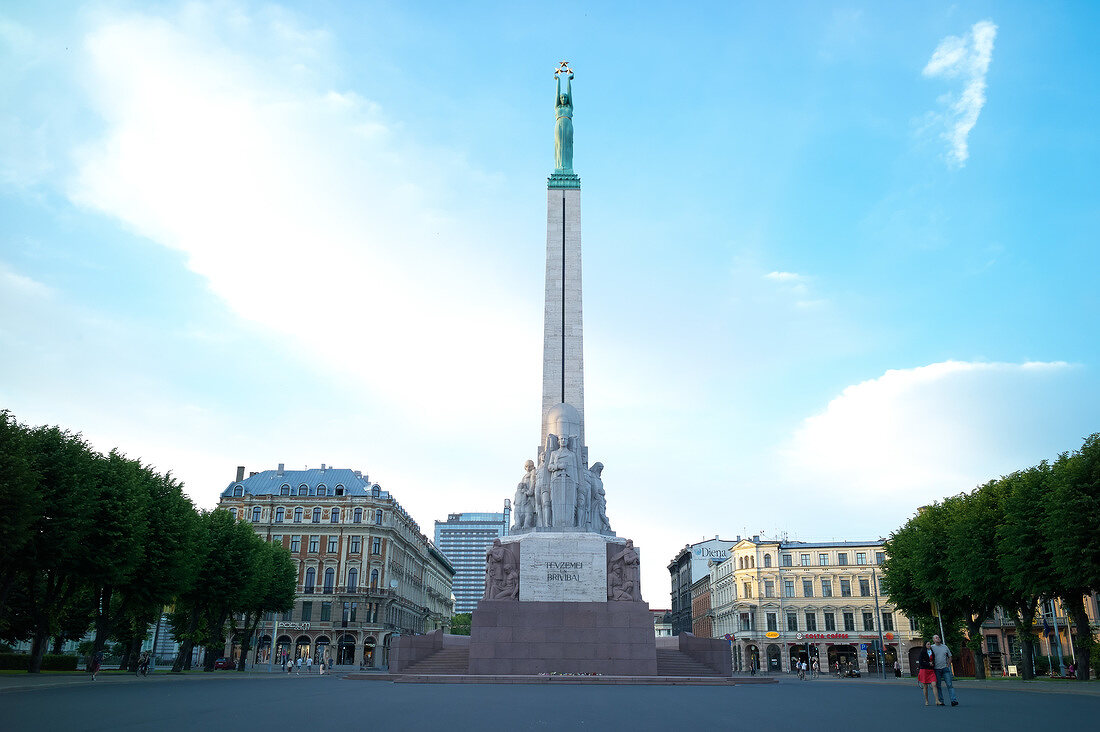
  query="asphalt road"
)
[{"x": 239, "y": 704}]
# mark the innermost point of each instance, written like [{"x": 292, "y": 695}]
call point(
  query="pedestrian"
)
[
  {"x": 289, "y": 665},
  {"x": 322, "y": 666},
  {"x": 926, "y": 674},
  {"x": 815, "y": 668},
  {"x": 897, "y": 669},
  {"x": 298, "y": 665},
  {"x": 942, "y": 663},
  {"x": 309, "y": 665},
  {"x": 97, "y": 661}
]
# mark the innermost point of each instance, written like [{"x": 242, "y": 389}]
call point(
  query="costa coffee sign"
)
[{"x": 821, "y": 636}]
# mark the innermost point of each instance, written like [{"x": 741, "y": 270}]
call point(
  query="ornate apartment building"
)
[
  {"x": 779, "y": 601},
  {"x": 365, "y": 570}
]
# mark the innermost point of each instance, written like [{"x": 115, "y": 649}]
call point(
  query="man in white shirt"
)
[{"x": 941, "y": 660}]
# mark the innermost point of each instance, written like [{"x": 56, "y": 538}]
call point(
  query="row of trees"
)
[
  {"x": 1012, "y": 543},
  {"x": 103, "y": 543}
]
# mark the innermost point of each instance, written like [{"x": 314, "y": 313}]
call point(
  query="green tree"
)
[
  {"x": 460, "y": 624},
  {"x": 272, "y": 588},
  {"x": 20, "y": 505},
  {"x": 1072, "y": 530},
  {"x": 1023, "y": 554}
]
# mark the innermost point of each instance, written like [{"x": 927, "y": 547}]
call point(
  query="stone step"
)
[
  {"x": 672, "y": 662},
  {"x": 445, "y": 661}
]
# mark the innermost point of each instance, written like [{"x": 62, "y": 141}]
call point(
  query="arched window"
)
[
  {"x": 339, "y": 490},
  {"x": 284, "y": 491},
  {"x": 322, "y": 491},
  {"x": 233, "y": 513},
  {"x": 374, "y": 578},
  {"x": 375, "y": 490},
  {"x": 357, "y": 517},
  {"x": 280, "y": 512},
  {"x": 311, "y": 580},
  {"x": 353, "y": 579},
  {"x": 330, "y": 578},
  {"x": 767, "y": 560},
  {"x": 316, "y": 515},
  {"x": 255, "y": 514},
  {"x": 335, "y": 519},
  {"x": 303, "y": 490},
  {"x": 378, "y": 517},
  {"x": 238, "y": 491},
  {"x": 298, "y": 515},
  {"x": 752, "y": 562}
]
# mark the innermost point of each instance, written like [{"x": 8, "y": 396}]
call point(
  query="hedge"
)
[{"x": 50, "y": 662}]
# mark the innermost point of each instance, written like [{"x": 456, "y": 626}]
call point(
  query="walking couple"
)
[{"x": 934, "y": 667}]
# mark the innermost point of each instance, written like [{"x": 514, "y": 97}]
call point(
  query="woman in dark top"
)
[{"x": 926, "y": 673}]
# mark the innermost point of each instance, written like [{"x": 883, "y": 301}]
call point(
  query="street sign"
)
[{"x": 863, "y": 646}]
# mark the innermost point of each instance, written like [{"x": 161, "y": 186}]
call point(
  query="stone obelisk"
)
[{"x": 563, "y": 341}]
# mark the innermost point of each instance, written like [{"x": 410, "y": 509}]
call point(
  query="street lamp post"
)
[{"x": 878, "y": 617}]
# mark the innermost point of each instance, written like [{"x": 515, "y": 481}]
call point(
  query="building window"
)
[
  {"x": 830, "y": 621},
  {"x": 303, "y": 490},
  {"x": 861, "y": 557},
  {"x": 914, "y": 624},
  {"x": 880, "y": 557},
  {"x": 845, "y": 588},
  {"x": 326, "y": 611},
  {"x": 786, "y": 560},
  {"x": 297, "y": 515},
  {"x": 826, "y": 588},
  {"x": 238, "y": 491},
  {"x": 805, "y": 560},
  {"x": 288, "y": 616},
  {"x": 322, "y": 491},
  {"x": 773, "y": 622},
  {"x": 807, "y": 588},
  {"x": 769, "y": 588},
  {"x": 849, "y": 622},
  {"x": 378, "y": 517},
  {"x": 868, "y": 621},
  {"x": 295, "y": 544},
  {"x": 992, "y": 644},
  {"x": 865, "y": 588},
  {"x": 823, "y": 560},
  {"x": 233, "y": 513},
  {"x": 745, "y": 621},
  {"x": 748, "y": 591},
  {"x": 335, "y": 517},
  {"x": 280, "y": 512},
  {"x": 811, "y": 621},
  {"x": 767, "y": 560},
  {"x": 314, "y": 544},
  {"x": 339, "y": 490},
  {"x": 887, "y": 621},
  {"x": 842, "y": 558},
  {"x": 788, "y": 588},
  {"x": 256, "y": 514},
  {"x": 316, "y": 515},
  {"x": 277, "y": 539},
  {"x": 332, "y": 542},
  {"x": 311, "y": 580},
  {"x": 330, "y": 579},
  {"x": 374, "y": 578},
  {"x": 376, "y": 546},
  {"x": 349, "y": 612},
  {"x": 792, "y": 622},
  {"x": 353, "y": 579},
  {"x": 357, "y": 516},
  {"x": 307, "y": 611},
  {"x": 355, "y": 545},
  {"x": 284, "y": 491}
]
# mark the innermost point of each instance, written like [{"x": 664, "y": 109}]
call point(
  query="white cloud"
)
[
  {"x": 968, "y": 58},
  {"x": 303, "y": 207},
  {"x": 922, "y": 433}
]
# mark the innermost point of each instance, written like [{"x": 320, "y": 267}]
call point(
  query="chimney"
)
[
  {"x": 756, "y": 538},
  {"x": 253, "y": 472},
  {"x": 280, "y": 468},
  {"x": 322, "y": 466},
  {"x": 240, "y": 473}
]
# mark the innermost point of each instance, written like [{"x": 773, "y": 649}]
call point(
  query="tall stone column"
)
[{"x": 563, "y": 348}]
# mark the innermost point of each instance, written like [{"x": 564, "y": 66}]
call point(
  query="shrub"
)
[
  {"x": 22, "y": 662},
  {"x": 17, "y": 661}
]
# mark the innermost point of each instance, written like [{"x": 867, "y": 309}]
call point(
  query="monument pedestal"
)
[{"x": 609, "y": 638}]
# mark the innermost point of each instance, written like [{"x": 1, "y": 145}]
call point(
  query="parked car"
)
[{"x": 223, "y": 663}]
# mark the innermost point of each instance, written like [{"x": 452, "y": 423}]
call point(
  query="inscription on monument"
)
[
  {"x": 564, "y": 571},
  {"x": 563, "y": 568}
]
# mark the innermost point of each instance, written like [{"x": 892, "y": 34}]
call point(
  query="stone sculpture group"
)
[{"x": 560, "y": 491}]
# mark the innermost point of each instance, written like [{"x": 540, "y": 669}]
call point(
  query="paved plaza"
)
[{"x": 261, "y": 702}]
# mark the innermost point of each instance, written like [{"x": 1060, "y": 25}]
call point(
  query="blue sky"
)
[{"x": 840, "y": 259}]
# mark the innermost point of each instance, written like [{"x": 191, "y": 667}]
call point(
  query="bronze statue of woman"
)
[{"x": 563, "y": 127}]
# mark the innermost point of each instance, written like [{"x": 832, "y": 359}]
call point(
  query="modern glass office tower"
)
[{"x": 464, "y": 538}]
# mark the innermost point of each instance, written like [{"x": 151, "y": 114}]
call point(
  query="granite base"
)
[{"x": 610, "y": 638}]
